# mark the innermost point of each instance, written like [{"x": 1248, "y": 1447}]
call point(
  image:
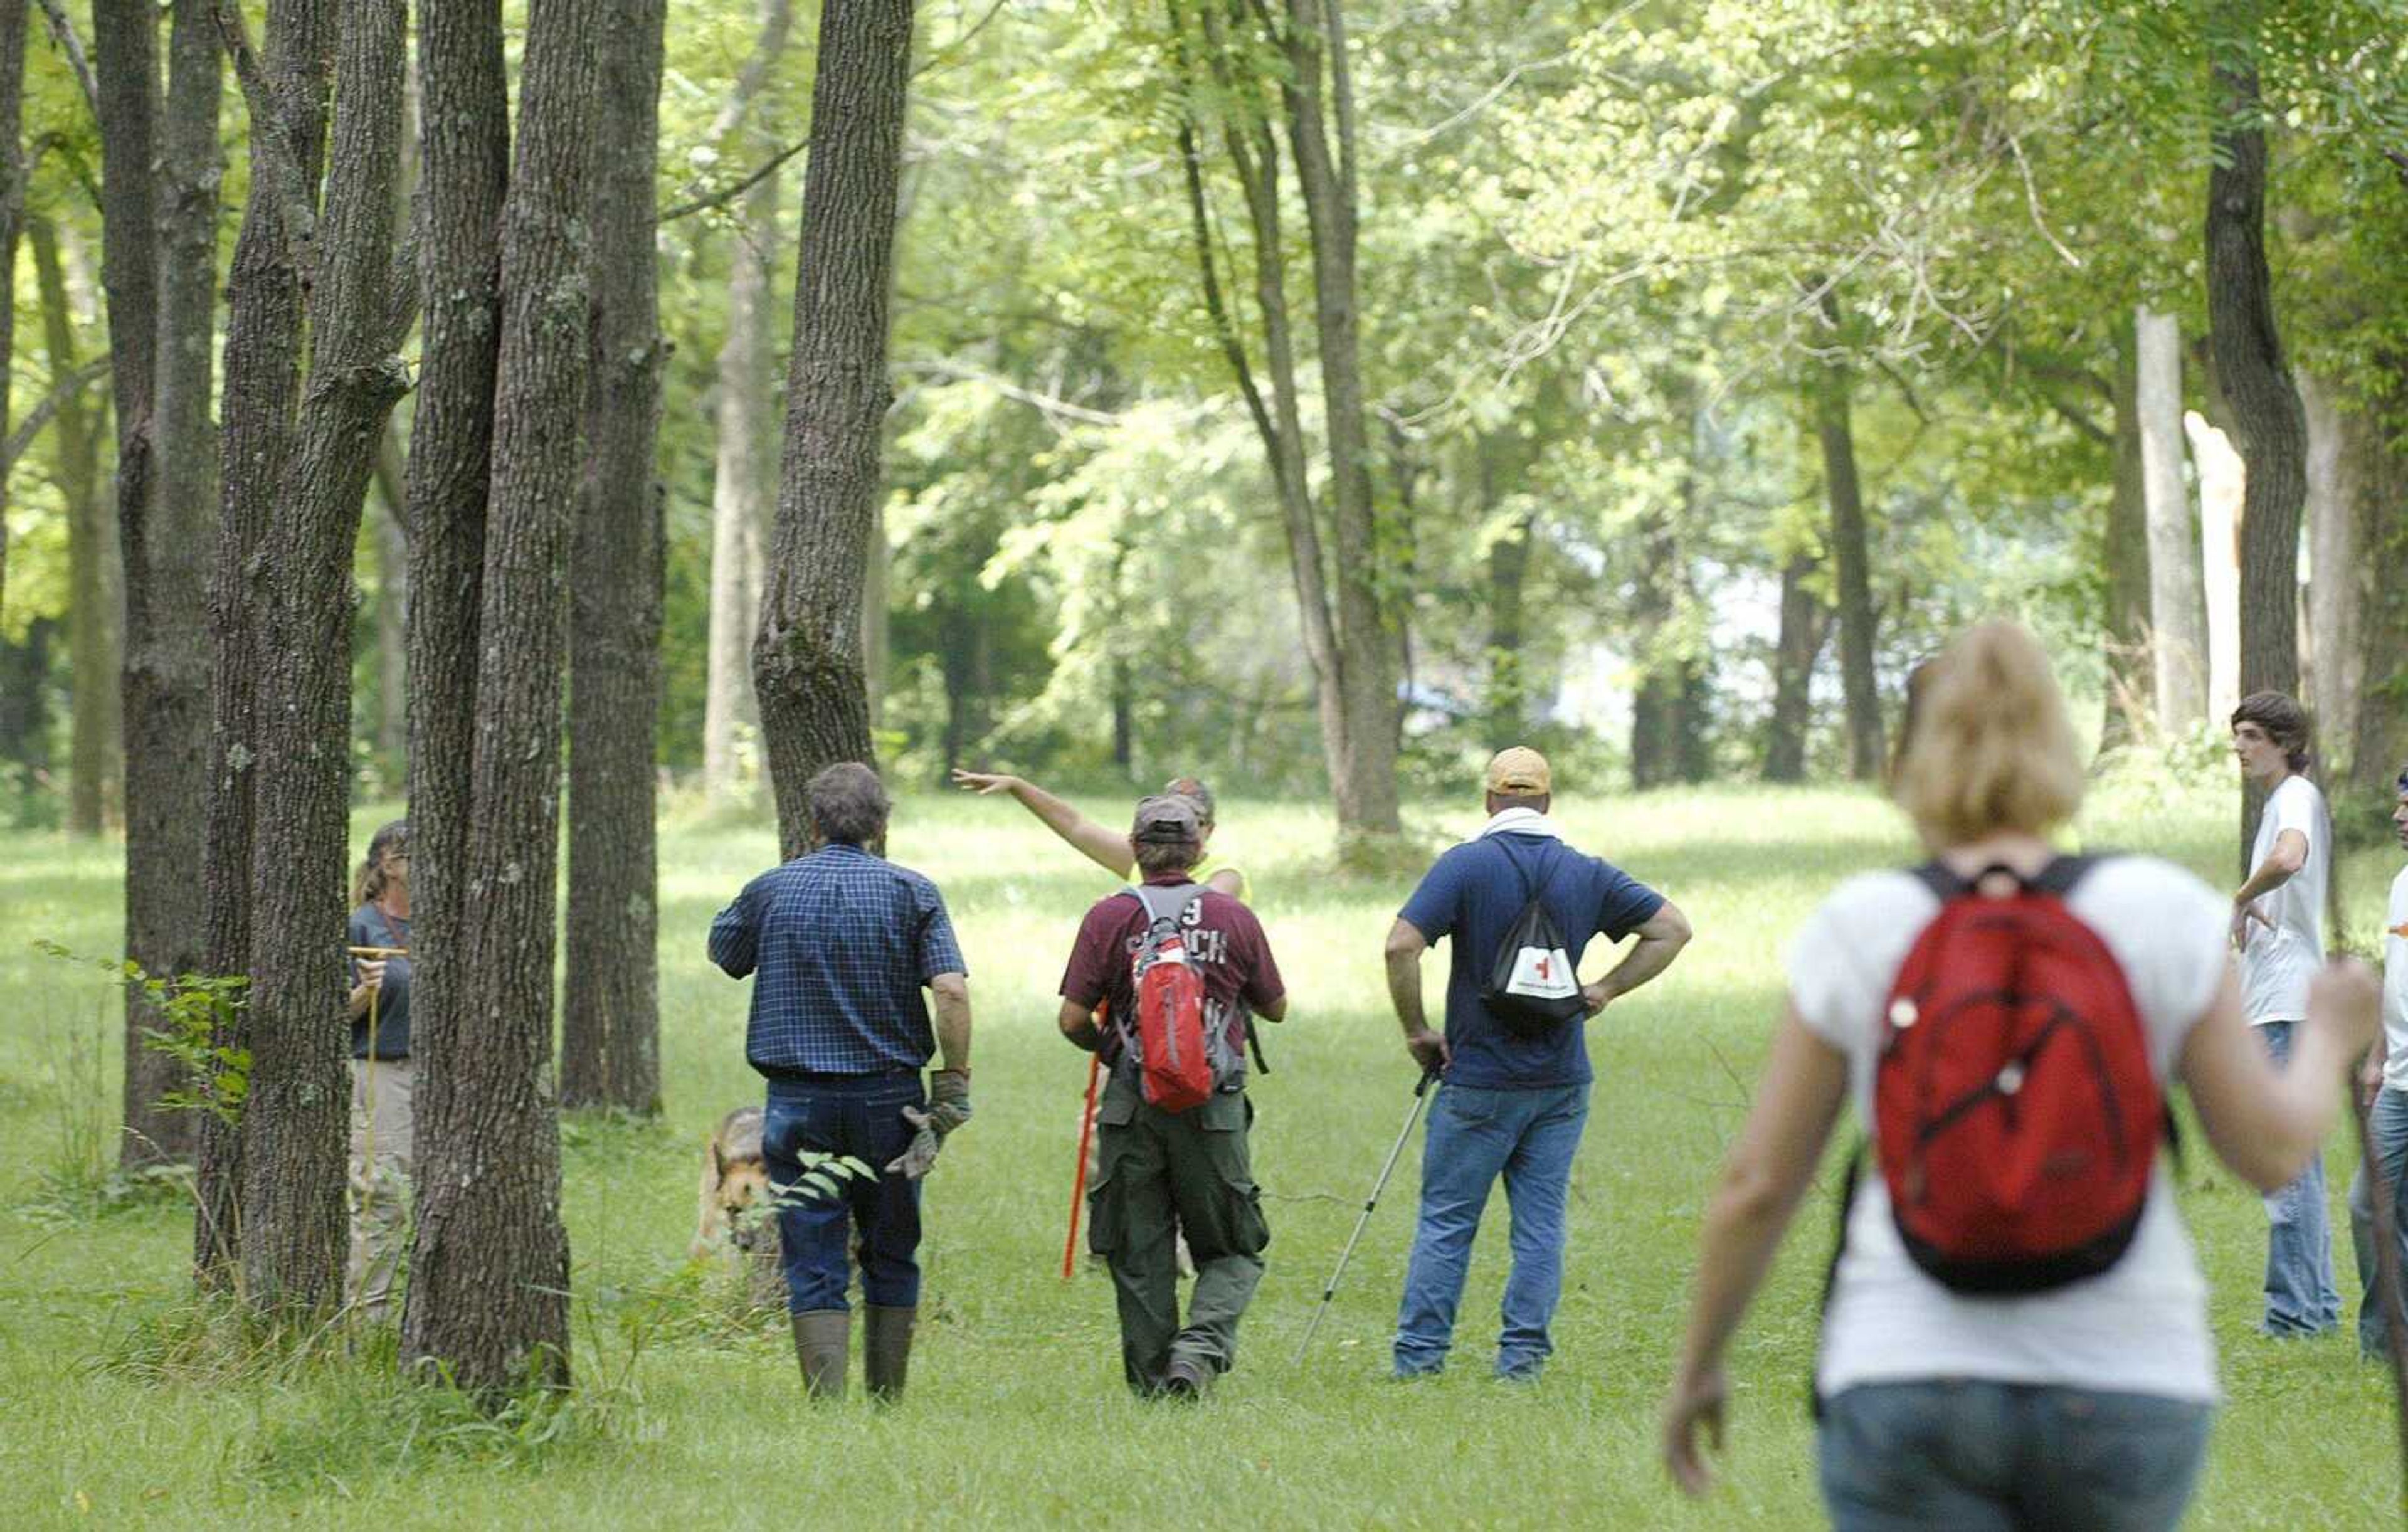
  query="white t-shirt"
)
[
  {"x": 2140, "y": 1326},
  {"x": 2281, "y": 959},
  {"x": 2395, "y": 986}
]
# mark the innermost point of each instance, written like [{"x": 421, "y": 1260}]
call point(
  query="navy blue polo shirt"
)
[{"x": 1472, "y": 894}]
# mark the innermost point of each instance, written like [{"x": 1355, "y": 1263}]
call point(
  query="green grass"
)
[{"x": 1016, "y": 1415}]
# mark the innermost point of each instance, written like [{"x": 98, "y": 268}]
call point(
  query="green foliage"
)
[{"x": 201, "y": 1013}]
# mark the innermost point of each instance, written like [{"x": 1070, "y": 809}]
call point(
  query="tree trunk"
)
[
  {"x": 2257, "y": 382},
  {"x": 742, "y": 486},
  {"x": 2381, "y": 749},
  {"x": 392, "y": 621},
  {"x": 1656, "y": 702},
  {"x": 165, "y": 686},
  {"x": 262, "y": 362},
  {"x": 1508, "y": 569},
  {"x": 466, "y": 141},
  {"x": 2336, "y": 672},
  {"x": 2177, "y": 600},
  {"x": 96, "y": 578},
  {"x": 13, "y": 215},
  {"x": 489, "y": 1272},
  {"x": 2131, "y": 688},
  {"x": 611, "y": 1025},
  {"x": 1799, "y": 644},
  {"x": 807, "y": 663},
  {"x": 297, "y": 1113},
  {"x": 1366, "y": 785},
  {"x": 1832, "y": 428}
]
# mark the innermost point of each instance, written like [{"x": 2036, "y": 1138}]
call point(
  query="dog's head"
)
[{"x": 744, "y": 1198}]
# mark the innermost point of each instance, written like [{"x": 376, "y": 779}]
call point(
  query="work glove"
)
[{"x": 948, "y": 1108}]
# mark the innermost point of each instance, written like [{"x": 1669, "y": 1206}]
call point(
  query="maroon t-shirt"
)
[{"x": 1224, "y": 942}]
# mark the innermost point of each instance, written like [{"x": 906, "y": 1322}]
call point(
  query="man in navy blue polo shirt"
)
[
  {"x": 1511, "y": 1105},
  {"x": 840, "y": 942}
]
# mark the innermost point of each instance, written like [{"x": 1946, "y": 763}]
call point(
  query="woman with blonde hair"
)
[
  {"x": 2077, "y": 1400},
  {"x": 379, "y": 956}
]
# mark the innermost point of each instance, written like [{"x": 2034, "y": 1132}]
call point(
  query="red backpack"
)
[
  {"x": 2015, "y": 1116},
  {"x": 1173, "y": 1057}
]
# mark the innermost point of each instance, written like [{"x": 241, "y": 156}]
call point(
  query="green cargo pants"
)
[{"x": 1159, "y": 1174}]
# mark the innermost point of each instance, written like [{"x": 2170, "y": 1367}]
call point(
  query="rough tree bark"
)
[
  {"x": 2336, "y": 667},
  {"x": 2381, "y": 751},
  {"x": 1799, "y": 644},
  {"x": 297, "y": 1115},
  {"x": 262, "y": 362},
  {"x": 466, "y": 143},
  {"x": 97, "y": 578},
  {"x": 2132, "y": 689},
  {"x": 2256, "y": 380},
  {"x": 165, "y": 702},
  {"x": 741, "y": 488},
  {"x": 489, "y": 1270},
  {"x": 392, "y": 615},
  {"x": 1831, "y": 387},
  {"x": 2177, "y": 594},
  {"x": 611, "y": 1024},
  {"x": 807, "y": 661}
]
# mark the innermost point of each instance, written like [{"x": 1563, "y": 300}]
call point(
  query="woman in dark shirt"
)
[{"x": 381, "y": 1072}]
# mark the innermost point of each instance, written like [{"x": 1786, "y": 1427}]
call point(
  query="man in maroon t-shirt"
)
[{"x": 1162, "y": 1173}]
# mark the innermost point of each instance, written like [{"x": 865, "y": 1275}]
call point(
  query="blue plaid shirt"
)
[{"x": 839, "y": 944}]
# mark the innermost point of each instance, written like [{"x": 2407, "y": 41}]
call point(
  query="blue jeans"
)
[
  {"x": 2300, "y": 1298},
  {"x": 2386, "y": 1135},
  {"x": 862, "y": 1116},
  {"x": 1971, "y": 1457},
  {"x": 1476, "y": 1135}
]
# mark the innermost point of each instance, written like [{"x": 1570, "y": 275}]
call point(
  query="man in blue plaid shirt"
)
[{"x": 839, "y": 944}]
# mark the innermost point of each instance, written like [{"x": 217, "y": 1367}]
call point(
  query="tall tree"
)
[
  {"x": 2131, "y": 688},
  {"x": 12, "y": 217},
  {"x": 2339, "y": 435},
  {"x": 1796, "y": 649},
  {"x": 1831, "y": 387},
  {"x": 489, "y": 1269},
  {"x": 465, "y": 144},
  {"x": 165, "y": 699},
  {"x": 2177, "y": 594},
  {"x": 2255, "y": 377},
  {"x": 610, "y": 1026},
  {"x": 806, "y": 659},
  {"x": 263, "y": 363},
  {"x": 297, "y": 1112},
  {"x": 742, "y": 486},
  {"x": 96, "y": 578}
]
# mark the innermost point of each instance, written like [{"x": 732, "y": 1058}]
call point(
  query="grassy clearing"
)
[{"x": 1016, "y": 1415}]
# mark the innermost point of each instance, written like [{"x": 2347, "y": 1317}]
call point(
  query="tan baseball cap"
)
[{"x": 1520, "y": 772}]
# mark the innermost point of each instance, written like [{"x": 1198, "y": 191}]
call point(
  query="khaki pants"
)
[{"x": 380, "y": 1181}]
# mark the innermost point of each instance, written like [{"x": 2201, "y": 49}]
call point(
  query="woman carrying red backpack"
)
[{"x": 2015, "y": 1332}]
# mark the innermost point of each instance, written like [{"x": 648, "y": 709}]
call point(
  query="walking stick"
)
[
  {"x": 1421, "y": 1096},
  {"x": 2386, "y": 1273},
  {"x": 1079, "y": 1177}
]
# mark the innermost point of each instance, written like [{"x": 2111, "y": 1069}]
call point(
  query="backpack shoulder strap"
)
[
  {"x": 2061, "y": 875},
  {"x": 1166, "y": 901},
  {"x": 1935, "y": 876}
]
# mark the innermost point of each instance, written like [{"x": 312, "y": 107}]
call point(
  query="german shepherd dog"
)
[{"x": 733, "y": 1206}]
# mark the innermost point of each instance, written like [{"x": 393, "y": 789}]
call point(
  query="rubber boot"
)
[
  {"x": 823, "y": 1343},
  {"x": 886, "y": 1350}
]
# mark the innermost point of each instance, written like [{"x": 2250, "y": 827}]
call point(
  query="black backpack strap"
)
[
  {"x": 1831, "y": 1272},
  {"x": 1935, "y": 876},
  {"x": 2060, "y": 876}
]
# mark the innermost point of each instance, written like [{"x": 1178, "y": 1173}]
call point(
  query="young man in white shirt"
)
[
  {"x": 2278, "y": 925},
  {"x": 2383, "y": 1086}
]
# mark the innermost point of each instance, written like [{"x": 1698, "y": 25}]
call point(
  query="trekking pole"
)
[
  {"x": 1079, "y": 1177},
  {"x": 2388, "y": 1293},
  {"x": 1421, "y": 1097}
]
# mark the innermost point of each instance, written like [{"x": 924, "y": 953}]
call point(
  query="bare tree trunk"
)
[
  {"x": 298, "y": 1109},
  {"x": 806, "y": 664},
  {"x": 96, "y": 578},
  {"x": 2131, "y": 687},
  {"x": 1508, "y": 569},
  {"x": 262, "y": 362},
  {"x": 391, "y": 620},
  {"x": 1366, "y": 784},
  {"x": 12, "y": 217},
  {"x": 742, "y": 485},
  {"x": 2177, "y": 601},
  {"x": 2381, "y": 749},
  {"x": 489, "y": 1273},
  {"x": 2337, "y": 442},
  {"x": 1655, "y": 704},
  {"x": 1794, "y": 651},
  {"x": 610, "y": 1026},
  {"x": 465, "y": 139},
  {"x": 2256, "y": 380},
  {"x": 1831, "y": 388}
]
